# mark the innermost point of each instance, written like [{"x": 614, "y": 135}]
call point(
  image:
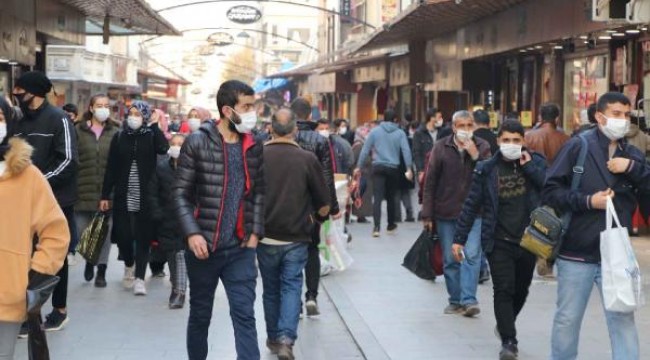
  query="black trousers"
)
[
  {"x": 60, "y": 294},
  {"x": 512, "y": 272},
  {"x": 312, "y": 269},
  {"x": 133, "y": 233},
  {"x": 385, "y": 182}
]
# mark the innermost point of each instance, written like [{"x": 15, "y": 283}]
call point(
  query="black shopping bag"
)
[
  {"x": 93, "y": 238},
  {"x": 418, "y": 258}
]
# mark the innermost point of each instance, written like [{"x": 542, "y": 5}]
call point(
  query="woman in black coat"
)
[
  {"x": 163, "y": 214},
  {"x": 131, "y": 163}
]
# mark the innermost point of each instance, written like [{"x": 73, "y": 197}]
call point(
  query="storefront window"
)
[{"x": 584, "y": 81}]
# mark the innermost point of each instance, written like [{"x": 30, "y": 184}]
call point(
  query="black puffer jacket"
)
[
  {"x": 312, "y": 141},
  {"x": 199, "y": 186},
  {"x": 161, "y": 200}
]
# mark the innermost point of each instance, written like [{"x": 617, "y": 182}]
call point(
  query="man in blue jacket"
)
[
  {"x": 505, "y": 189},
  {"x": 388, "y": 143},
  {"x": 613, "y": 168}
]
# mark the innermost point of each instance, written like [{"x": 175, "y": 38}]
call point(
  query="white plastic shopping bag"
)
[
  {"x": 334, "y": 244},
  {"x": 621, "y": 276}
]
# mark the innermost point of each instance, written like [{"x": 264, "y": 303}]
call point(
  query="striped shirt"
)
[{"x": 133, "y": 191}]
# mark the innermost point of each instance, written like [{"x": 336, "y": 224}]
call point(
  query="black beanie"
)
[{"x": 35, "y": 82}]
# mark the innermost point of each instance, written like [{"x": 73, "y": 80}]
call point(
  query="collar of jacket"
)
[
  {"x": 18, "y": 157},
  {"x": 450, "y": 141},
  {"x": 211, "y": 128},
  {"x": 109, "y": 124},
  {"x": 282, "y": 141},
  {"x": 603, "y": 141}
]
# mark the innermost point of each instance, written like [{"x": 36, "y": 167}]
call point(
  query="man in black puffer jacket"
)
[
  {"x": 219, "y": 194},
  {"x": 49, "y": 131},
  {"x": 310, "y": 140}
]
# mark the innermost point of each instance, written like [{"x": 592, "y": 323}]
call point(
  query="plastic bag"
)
[
  {"x": 93, "y": 238},
  {"x": 418, "y": 259},
  {"x": 621, "y": 275},
  {"x": 334, "y": 244}
]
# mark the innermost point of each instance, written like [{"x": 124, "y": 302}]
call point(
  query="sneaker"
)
[
  {"x": 176, "y": 300},
  {"x": 410, "y": 218},
  {"x": 273, "y": 346},
  {"x": 24, "y": 331},
  {"x": 139, "y": 289},
  {"x": 72, "y": 260},
  {"x": 484, "y": 276},
  {"x": 89, "y": 272},
  {"x": 312, "y": 307},
  {"x": 471, "y": 310},
  {"x": 509, "y": 351},
  {"x": 391, "y": 229},
  {"x": 55, "y": 321},
  {"x": 453, "y": 309},
  {"x": 362, "y": 220},
  {"x": 285, "y": 351},
  {"x": 129, "y": 277},
  {"x": 375, "y": 232}
]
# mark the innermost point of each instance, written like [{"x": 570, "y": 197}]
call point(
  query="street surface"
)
[{"x": 374, "y": 310}]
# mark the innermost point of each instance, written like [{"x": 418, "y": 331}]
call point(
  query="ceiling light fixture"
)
[
  {"x": 632, "y": 31},
  {"x": 604, "y": 37}
]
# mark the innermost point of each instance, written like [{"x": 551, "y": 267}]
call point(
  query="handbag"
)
[
  {"x": 545, "y": 234},
  {"x": 621, "y": 275},
  {"x": 39, "y": 289},
  {"x": 93, "y": 238}
]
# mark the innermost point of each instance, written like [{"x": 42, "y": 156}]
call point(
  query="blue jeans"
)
[
  {"x": 281, "y": 267},
  {"x": 461, "y": 279},
  {"x": 575, "y": 283},
  {"x": 236, "y": 268}
]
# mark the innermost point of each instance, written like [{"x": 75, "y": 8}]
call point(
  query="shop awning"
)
[
  {"x": 427, "y": 19},
  {"x": 127, "y": 17},
  {"x": 335, "y": 66},
  {"x": 175, "y": 79}
]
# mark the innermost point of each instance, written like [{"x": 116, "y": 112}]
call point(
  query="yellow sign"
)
[
  {"x": 494, "y": 121},
  {"x": 527, "y": 118}
]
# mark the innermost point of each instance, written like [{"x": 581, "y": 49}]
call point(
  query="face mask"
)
[
  {"x": 464, "y": 136},
  {"x": 134, "y": 122},
  {"x": 439, "y": 123},
  {"x": 324, "y": 133},
  {"x": 194, "y": 124},
  {"x": 174, "y": 151},
  {"x": 24, "y": 105},
  {"x": 3, "y": 131},
  {"x": 615, "y": 129},
  {"x": 511, "y": 151},
  {"x": 102, "y": 114},
  {"x": 247, "y": 122},
  {"x": 343, "y": 130}
]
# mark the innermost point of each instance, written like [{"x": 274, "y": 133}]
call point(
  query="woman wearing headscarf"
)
[
  {"x": 95, "y": 132},
  {"x": 195, "y": 118},
  {"x": 27, "y": 209},
  {"x": 131, "y": 162},
  {"x": 160, "y": 117},
  {"x": 365, "y": 209}
]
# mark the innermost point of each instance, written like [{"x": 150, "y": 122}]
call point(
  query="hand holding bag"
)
[{"x": 621, "y": 275}]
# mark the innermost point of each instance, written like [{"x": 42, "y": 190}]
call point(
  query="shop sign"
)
[
  {"x": 369, "y": 74},
  {"x": 400, "y": 72},
  {"x": 527, "y": 118},
  {"x": 244, "y": 14},
  {"x": 321, "y": 84},
  {"x": 346, "y": 10},
  {"x": 389, "y": 10},
  {"x": 494, "y": 119},
  {"x": 221, "y": 39}
]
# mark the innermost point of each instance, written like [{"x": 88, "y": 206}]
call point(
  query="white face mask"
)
[
  {"x": 134, "y": 122},
  {"x": 102, "y": 114},
  {"x": 3, "y": 131},
  {"x": 248, "y": 122},
  {"x": 194, "y": 124},
  {"x": 615, "y": 129},
  {"x": 464, "y": 136},
  {"x": 343, "y": 130},
  {"x": 511, "y": 151},
  {"x": 324, "y": 133},
  {"x": 439, "y": 123},
  {"x": 174, "y": 151}
]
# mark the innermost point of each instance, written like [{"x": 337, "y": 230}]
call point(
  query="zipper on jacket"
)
[{"x": 215, "y": 239}]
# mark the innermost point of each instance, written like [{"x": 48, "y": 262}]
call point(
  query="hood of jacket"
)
[
  {"x": 389, "y": 126},
  {"x": 18, "y": 158},
  {"x": 304, "y": 125}
]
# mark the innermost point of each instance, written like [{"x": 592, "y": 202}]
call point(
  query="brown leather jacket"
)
[
  {"x": 547, "y": 140},
  {"x": 448, "y": 178}
]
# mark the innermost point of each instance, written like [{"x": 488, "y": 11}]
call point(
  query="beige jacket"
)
[
  {"x": 639, "y": 139},
  {"x": 27, "y": 208}
]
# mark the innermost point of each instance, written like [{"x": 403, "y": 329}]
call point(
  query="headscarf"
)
[
  {"x": 10, "y": 118},
  {"x": 361, "y": 133},
  {"x": 163, "y": 124},
  {"x": 145, "y": 110},
  {"x": 204, "y": 114}
]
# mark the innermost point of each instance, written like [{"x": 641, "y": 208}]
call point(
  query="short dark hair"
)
[
  {"x": 324, "y": 121},
  {"x": 611, "y": 98},
  {"x": 431, "y": 112},
  {"x": 229, "y": 93},
  {"x": 481, "y": 117},
  {"x": 338, "y": 122},
  {"x": 283, "y": 126},
  {"x": 71, "y": 108},
  {"x": 414, "y": 125},
  {"x": 408, "y": 117},
  {"x": 301, "y": 108},
  {"x": 591, "y": 113},
  {"x": 390, "y": 116},
  {"x": 511, "y": 126},
  {"x": 549, "y": 112}
]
